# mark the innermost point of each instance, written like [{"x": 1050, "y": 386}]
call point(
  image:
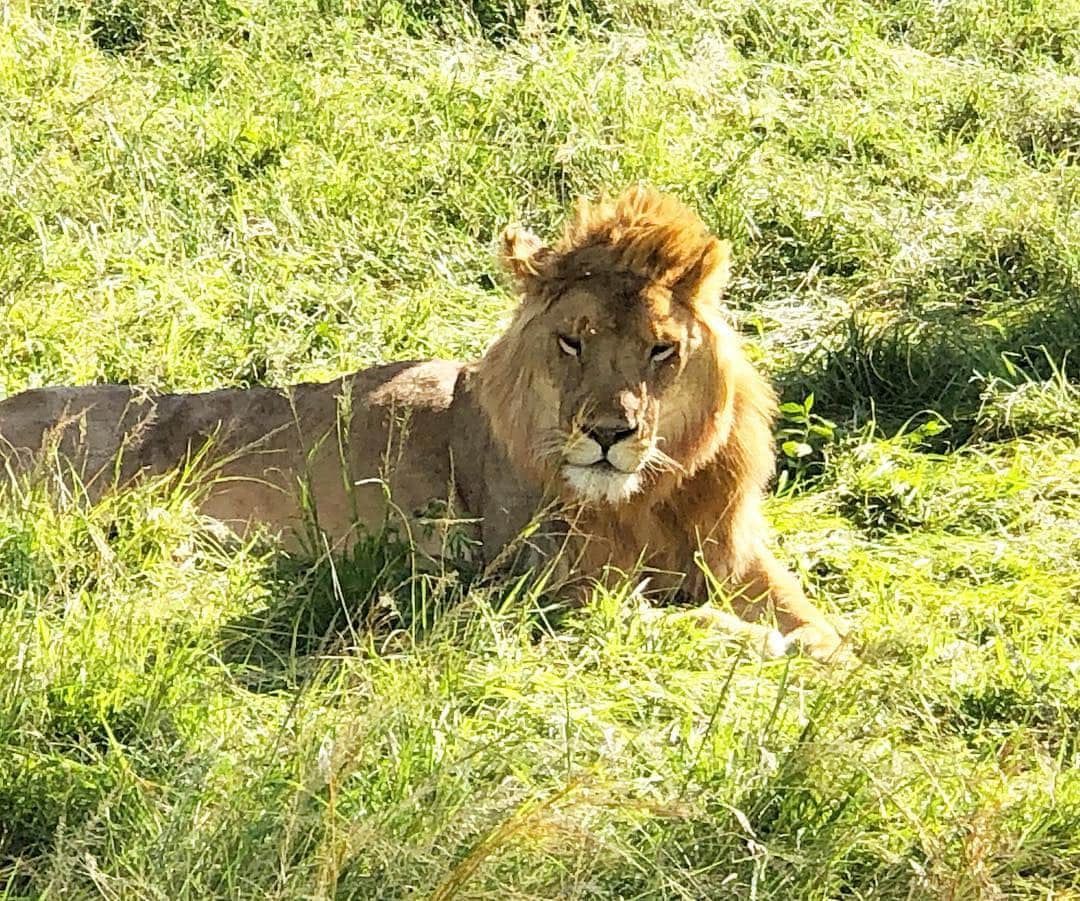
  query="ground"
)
[{"x": 265, "y": 191}]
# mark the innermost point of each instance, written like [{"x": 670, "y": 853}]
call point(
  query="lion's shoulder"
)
[{"x": 422, "y": 384}]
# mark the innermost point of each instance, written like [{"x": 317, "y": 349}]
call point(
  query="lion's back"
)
[
  {"x": 389, "y": 422},
  {"x": 82, "y": 424}
]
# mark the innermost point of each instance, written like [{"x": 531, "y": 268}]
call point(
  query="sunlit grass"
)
[{"x": 227, "y": 194}]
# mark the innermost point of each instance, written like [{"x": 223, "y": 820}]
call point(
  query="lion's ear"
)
[
  {"x": 708, "y": 278},
  {"x": 523, "y": 254}
]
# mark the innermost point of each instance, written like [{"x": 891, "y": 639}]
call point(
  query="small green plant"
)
[{"x": 804, "y": 438}]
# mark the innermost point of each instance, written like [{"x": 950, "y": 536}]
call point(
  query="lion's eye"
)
[
  {"x": 661, "y": 352},
  {"x": 569, "y": 345}
]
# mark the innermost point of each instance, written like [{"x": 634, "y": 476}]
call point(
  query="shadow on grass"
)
[
  {"x": 503, "y": 21},
  {"x": 890, "y": 371},
  {"x": 322, "y": 606}
]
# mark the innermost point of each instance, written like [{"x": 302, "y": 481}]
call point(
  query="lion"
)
[{"x": 618, "y": 410}]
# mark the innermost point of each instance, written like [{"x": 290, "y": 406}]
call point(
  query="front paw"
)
[{"x": 821, "y": 641}]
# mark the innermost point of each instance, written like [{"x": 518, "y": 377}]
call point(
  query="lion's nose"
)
[{"x": 607, "y": 436}]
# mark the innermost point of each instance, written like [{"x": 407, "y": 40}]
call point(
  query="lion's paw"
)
[{"x": 821, "y": 641}]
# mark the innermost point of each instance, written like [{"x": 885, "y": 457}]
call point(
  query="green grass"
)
[{"x": 221, "y": 193}]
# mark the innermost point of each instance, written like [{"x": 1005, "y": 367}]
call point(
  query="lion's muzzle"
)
[{"x": 604, "y": 462}]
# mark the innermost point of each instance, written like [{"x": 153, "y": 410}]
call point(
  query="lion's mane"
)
[{"x": 724, "y": 452}]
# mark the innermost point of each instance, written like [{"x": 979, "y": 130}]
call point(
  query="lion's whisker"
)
[
  {"x": 549, "y": 449},
  {"x": 658, "y": 461},
  {"x": 555, "y": 443}
]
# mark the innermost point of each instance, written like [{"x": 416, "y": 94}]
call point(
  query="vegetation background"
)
[{"x": 231, "y": 192}]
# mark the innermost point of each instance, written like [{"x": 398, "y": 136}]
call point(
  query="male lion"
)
[{"x": 618, "y": 405}]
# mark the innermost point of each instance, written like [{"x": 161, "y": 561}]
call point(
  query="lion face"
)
[
  {"x": 612, "y": 379},
  {"x": 624, "y": 356}
]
